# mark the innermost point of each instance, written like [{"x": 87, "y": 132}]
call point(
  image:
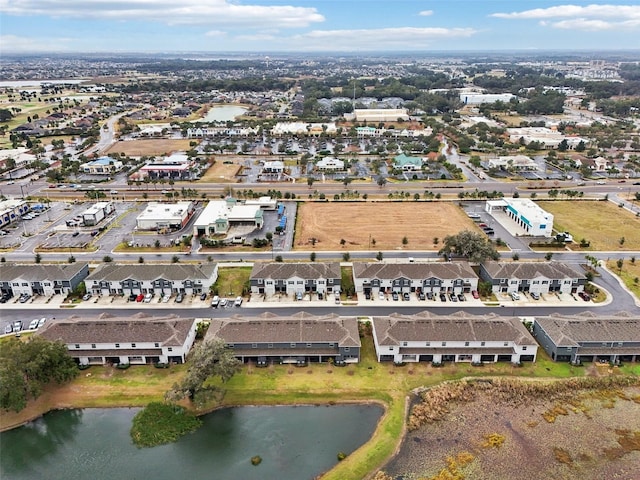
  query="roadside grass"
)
[
  {"x": 232, "y": 281},
  {"x": 221, "y": 172},
  {"x": 601, "y": 223},
  {"x": 630, "y": 274},
  {"x": 139, "y": 148},
  {"x": 346, "y": 283}
]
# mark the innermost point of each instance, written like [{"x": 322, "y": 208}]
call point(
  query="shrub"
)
[
  {"x": 256, "y": 460},
  {"x": 123, "y": 366},
  {"x": 341, "y": 456},
  {"x": 160, "y": 423}
]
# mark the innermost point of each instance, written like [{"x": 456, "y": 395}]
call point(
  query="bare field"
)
[
  {"x": 221, "y": 172},
  {"x": 534, "y": 444},
  {"x": 601, "y": 223},
  {"x": 383, "y": 223},
  {"x": 139, "y": 148}
]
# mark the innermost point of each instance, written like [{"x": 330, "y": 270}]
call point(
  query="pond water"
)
[
  {"x": 295, "y": 443},
  {"x": 224, "y": 113}
]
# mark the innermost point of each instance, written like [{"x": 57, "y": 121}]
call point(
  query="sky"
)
[{"x": 153, "y": 26}]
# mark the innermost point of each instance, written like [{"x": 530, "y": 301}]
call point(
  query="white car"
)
[
  {"x": 41, "y": 322},
  {"x": 215, "y": 301},
  {"x": 148, "y": 297},
  {"x": 34, "y": 324},
  {"x": 515, "y": 296},
  {"x": 166, "y": 297},
  {"x": 223, "y": 302},
  {"x": 381, "y": 295},
  {"x": 238, "y": 301}
]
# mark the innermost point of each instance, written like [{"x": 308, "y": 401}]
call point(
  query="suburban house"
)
[
  {"x": 442, "y": 277},
  {"x": 460, "y": 337},
  {"x": 41, "y": 279},
  {"x": 534, "y": 277},
  {"x": 407, "y": 164},
  {"x": 127, "y": 341},
  {"x": 589, "y": 338},
  {"x": 12, "y": 210},
  {"x": 165, "y": 216},
  {"x": 114, "y": 279},
  {"x": 525, "y": 213},
  {"x": 299, "y": 339},
  {"x": 102, "y": 166},
  {"x": 220, "y": 215},
  {"x": 294, "y": 278},
  {"x": 330, "y": 163}
]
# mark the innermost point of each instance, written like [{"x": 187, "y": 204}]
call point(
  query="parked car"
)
[
  {"x": 148, "y": 297},
  {"x": 17, "y": 325},
  {"x": 395, "y": 296},
  {"x": 298, "y": 295},
  {"x": 24, "y": 297},
  {"x": 34, "y": 324},
  {"x": 443, "y": 297},
  {"x": 422, "y": 296},
  {"x": 215, "y": 301},
  {"x": 535, "y": 295},
  {"x": 475, "y": 294},
  {"x": 406, "y": 297},
  {"x": 8, "y": 329},
  {"x": 584, "y": 296},
  {"x": 381, "y": 295},
  {"x": 238, "y": 301},
  {"x": 223, "y": 302},
  {"x": 367, "y": 295},
  {"x": 461, "y": 297},
  {"x": 515, "y": 296},
  {"x": 41, "y": 322},
  {"x": 179, "y": 298},
  {"x": 203, "y": 296},
  {"x": 132, "y": 297},
  {"x": 86, "y": 296},
  {"x": 166, "y": 297},
  {"x": 140, "y": 297},
  {"x": 430, "y": 296},
  {"x": 453, "y": 297}
]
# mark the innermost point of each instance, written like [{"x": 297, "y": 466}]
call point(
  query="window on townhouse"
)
[
  {"x": 293, "y": 345},
  {"x": 254, "y": 345},
  {"x": 346, "y": 349},
  {"x": 308, "y": 345},
  {"x": 170, "y": 349},
  {"x": 93, "y": 345},
  {"x": 404, "y": 344},
  {"x": 117, "y": 345},
  {"x": 482, "y": 344},
  {"x": 331, "y": 344},
  {"x": 524, "y": 348},
  {"x": 77, "y": 345},
  {"x": 156, "y": 345},
  {"x": 466, "y": 344},
  {"x": 444, "y": 344},
  {"x": 427, "y": 344},
  {"x": 133, "y": 345},
  {"x": 506, "y": 344}
]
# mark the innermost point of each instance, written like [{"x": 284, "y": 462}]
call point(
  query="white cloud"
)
[
  {"x": 215, "y": 33},
  {"x": 575, "y": 11},
  {"x": 16, "y": 44},
  {"x": 426, "y": 13},
  {"x": 409, "y": 38},
  {"x": 183, "y": 12}
]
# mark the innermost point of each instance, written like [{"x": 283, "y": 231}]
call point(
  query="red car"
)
[
  {"x": 475, "y": 294},
  {"x": 140, "y": 297}
]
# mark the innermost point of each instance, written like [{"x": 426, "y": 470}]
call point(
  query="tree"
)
[
  {"x": 405, "y": 241},
  {"x": 312, "y": 257},
  {"x": 175, "y": 259},
  {"x": 620, "y": 263},
  {"x": 469, "y": 244},
  {"x": 379, "y": 256},
  {"x": 107, "y": 259},
  {"x": 310, "y": 181},
  {"x": 342, "y": 242},
  {"x": 381, "y": 181},
  {"x": 140, "y": 259},
  {"x": 38, "y": 258},
  {"x": 27, "y": 367},
  {"x": 548, "y": 256},
  {"x": 346, "y": 256},
  {"x": 279, "y": 258},
  {"x": 209, "y": 359}
]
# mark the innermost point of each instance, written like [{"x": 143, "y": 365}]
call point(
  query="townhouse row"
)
[{"x": 304, "y": 338}]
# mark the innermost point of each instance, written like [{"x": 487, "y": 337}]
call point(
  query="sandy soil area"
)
[
  {"x": 139, "y": 148},
  {"x": 594, "y": 439},
  {"x": 385, "y": 222}
]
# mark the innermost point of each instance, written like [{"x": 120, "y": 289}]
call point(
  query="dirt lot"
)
[
  {"x": 384, "y": 223},
  {"x": 601, "y": 223},
  {"x": 139, "y": 148},
  {"x": 566, "y": 447},
  {"x": 222, "y": 172}
]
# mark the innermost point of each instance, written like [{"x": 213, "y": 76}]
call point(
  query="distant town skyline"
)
[{"x": 154, "y": 26}]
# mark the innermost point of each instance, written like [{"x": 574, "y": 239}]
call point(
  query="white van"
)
[{"x": 515, "y": 296}]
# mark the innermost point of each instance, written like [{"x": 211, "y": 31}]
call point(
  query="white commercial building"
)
[
  {"x": 303, "y": 128},
  {"x": 97, "y": 212},
  {"x": 165, "y": 216},
  {"x": 12, "y": 210},
  {"x": 480, "y": 98},
  {"x": 330, "y": 163},
  {"x": 514, "y": 162},
  {"x": 219, "y": 215},
  {"x": 525, "y": 213},
  {"x": 547, "y": 137},
  {"x": 379, "y": 115}
]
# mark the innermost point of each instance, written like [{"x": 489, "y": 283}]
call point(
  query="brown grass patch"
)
[
  {"x": 551, "y": 414},
  {"x": 493, "y": 440},
  {"x": 385, "y": 222},
  {"x": 562, "y": 456},
  {"x": 160, "y": 146},
  {"x": 221, "y": 172}
]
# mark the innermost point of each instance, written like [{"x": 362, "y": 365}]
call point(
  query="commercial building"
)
[
  {"x": 220, "y": 215},
  {"x": 41, "y": 279},
  {"x": 444, "y": 277},
  {"x": 589, "y": 338},
  {"x": 165, "y": 216},
  {"x": 97, "y": 212},
  {"x": 173, "y": 278},
  {"x": 514, "y": 162},
  {"x": 12, "y": 210},
  {"x": 298, "y": 339},
  {"x": 525, "y": 213},
  {"x": 378, "y": 115},
  {"x": 294, "y": 278},
  {"x": 174, "y": 167},
  {"x": 460, "y": 337},
  {"x": 124, "y": 341},
  {"x": 407, "y": 164},
  {"x": 480, "y": 98},
  {"x": 330, "y": 163},
  {"x": 102, "y": 166},
  {"x": 544, "y": 136},
  {"x": 533, "y": 277}
]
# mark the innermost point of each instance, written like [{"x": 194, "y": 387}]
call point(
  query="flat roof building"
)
[
  {"x": 219, "y": 215},
  {"x": 165, "y": 216},
  {"x": 525, "y": 213},
  {"x": 12, "y": 210}
]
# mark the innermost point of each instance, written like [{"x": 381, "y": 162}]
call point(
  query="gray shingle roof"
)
[
  {"x": 300, "y": 328},
  {"x": 527, "y": 270},
  {"x": 569, "y": 331},
  {"x": 415, "y": 271},
  {"x": 38, "y": 272},
  {"x": 307, "y": 271},
  {"x": 396, "y": 328},
  {"x": 170, "y": 331},
  {"x": 149, "y": 272}
]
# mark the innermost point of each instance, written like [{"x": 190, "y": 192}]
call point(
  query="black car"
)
[
  {"x": 367, "y": 295},
  {"x": 430, "y": 295},
  {"x": 452, "y": 297},
  {"x": 461, "y": 297},
  {"x": 443, "y": 297},
  {"x": 132, "y": 297},
  {"x": 406, "y": 297},
  {"x": 203, "y": 296},
  {"x": 421, "y": 296},
  {"x": 394, "y": 295}
]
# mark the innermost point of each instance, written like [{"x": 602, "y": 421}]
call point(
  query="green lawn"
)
[
  {"x": 232, "y": 281},
  {"x": 630, "y": 274}
]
